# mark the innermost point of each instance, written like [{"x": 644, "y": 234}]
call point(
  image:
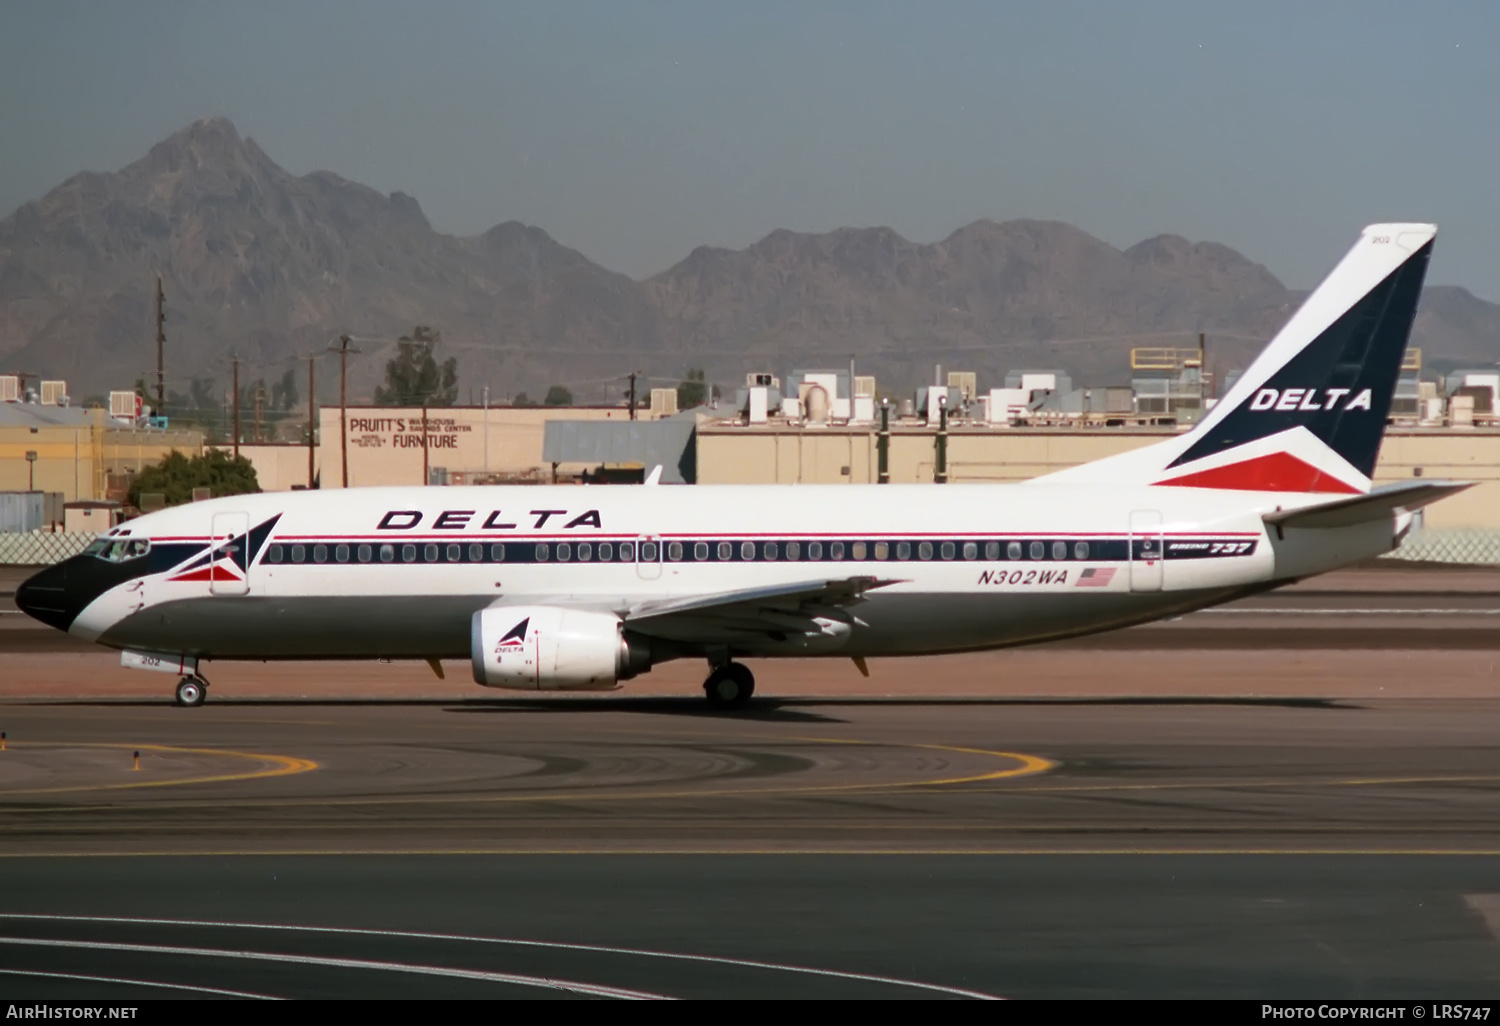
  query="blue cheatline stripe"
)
[{"x": 336, "y": 552}]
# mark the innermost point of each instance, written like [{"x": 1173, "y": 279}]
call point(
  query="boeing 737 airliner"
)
[{"x": 583, "y": 588}]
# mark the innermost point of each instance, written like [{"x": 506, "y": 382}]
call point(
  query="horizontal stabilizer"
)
[{"x": 1361, "y": 509}]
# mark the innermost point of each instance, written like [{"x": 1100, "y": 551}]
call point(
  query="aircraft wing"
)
[
  {"x": 729, "y": 615},
  {"x": 1359, "y": 509}
]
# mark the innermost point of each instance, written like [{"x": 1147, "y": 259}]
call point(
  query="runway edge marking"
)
[{"x": 516, "y": 942}]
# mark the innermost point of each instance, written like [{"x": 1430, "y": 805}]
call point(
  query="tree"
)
[
  {"x": 284, "y": 392},
  {"x": 177, "y": 475},
  {"x": 693, "y": 390},
  {"x": 522, "y": 399},
  {"x": 413, "y": 377},
  {"x": 558, "y": 396}
]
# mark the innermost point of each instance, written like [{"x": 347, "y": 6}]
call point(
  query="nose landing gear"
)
[
  {"x": 729, "y": 686},
  {"x": 191, "y": 691}
]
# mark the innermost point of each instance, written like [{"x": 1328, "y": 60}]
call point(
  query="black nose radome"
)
[
  {"x": 44, "y": 596},
  {"x": 59, "y": 593}
]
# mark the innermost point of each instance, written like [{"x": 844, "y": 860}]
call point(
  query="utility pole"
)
[
  {"x": 426, "y": 474},
  {"x": 633, "y": 376},
  {"x": 260, "y": 394},
  {"x": 343, "y": 350},
  {"x": 1202, "y": 371},
  {"x": 161, "y": 338},
  {"x": 312, "y": 381},
  {"x": 235, "y": 362},
  {"x": 883, "y": 444},
  {"x": 940, "y": 471}
]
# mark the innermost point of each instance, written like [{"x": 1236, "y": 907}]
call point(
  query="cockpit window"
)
[{"x": 118, "y": 550}]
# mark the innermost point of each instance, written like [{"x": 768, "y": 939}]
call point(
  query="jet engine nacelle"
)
[{"x": 547, "y": 648}]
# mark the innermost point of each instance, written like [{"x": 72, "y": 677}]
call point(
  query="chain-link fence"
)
[
  {"x": 1472, "y": 546},
  {"x": 36, "y": 548}
]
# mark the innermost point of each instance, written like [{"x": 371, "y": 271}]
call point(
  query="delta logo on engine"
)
[{"x": 514, "y": 638}]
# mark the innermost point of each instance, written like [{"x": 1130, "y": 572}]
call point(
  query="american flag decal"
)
[{"x": 1095, "y": 577}]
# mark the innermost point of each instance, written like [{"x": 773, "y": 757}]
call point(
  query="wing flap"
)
[{"x": 778, "y": 609}]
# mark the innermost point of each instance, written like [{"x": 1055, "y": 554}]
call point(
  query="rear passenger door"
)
[{"x": 1146, "y": 550}]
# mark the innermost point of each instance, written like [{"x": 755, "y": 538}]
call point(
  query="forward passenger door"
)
[{"x": 231, "y": 575}]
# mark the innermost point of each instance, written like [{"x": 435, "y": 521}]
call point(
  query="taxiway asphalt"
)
[{"x": 1170, "y": 820}]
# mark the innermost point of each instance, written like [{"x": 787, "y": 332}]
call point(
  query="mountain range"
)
[{"x": 269, "y": 266}]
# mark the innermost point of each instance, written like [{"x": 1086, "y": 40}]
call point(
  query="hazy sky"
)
[{"x": 635, "y": 131}]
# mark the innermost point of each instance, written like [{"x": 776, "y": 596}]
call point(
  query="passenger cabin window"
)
[
  {"x": 497, "y": 553},
  {"x": 564, "y": 552},
  {"x": 542, "y": 552},
  {"x": 814, "y": 550},
  {"x": 747, "y": 550},
  {"x": 726, "y": 551},
  {"x": 606, "y": 552},
  {"x": 1038, "y": 550},
  {"x": 948, "y": 550},
  {"x": 700, "y": 551},
  {"x": 793, "y": 550},
  {"x": 882, "y": 550},
  {"x": 674, "y": 551},
  {"x": 364, "y": 553},
  {"x": 770, "y": 549},
  {"x": 387, "y": 553},
  {"x": 1080, "y": 550},
  {"x": 1059, "y": 550},
  {"x": 273, "y": 554},
  {"x": 836, "y": 550},
  {"x": 857, "y": 550},
  {"x": 1013, "y": 550},
  {"x": 298, "y": 553},
  {"x": 924, "y": 550},
  {"x": 408, "y": 553},
  {"x": 903, "y": 550},
  {"x": 476, "y": 553},
  {"x": 585, "y": 552},
  {"x": 991, "y": 550},
  {"x": 971, "y": 550},
  {"x": 455, "y": 553},
  {"x": 320, "y": 553},
  {"x": 341, "y": 553}
]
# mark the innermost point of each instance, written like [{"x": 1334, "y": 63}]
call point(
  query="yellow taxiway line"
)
[{"x": 280, "y": 766}]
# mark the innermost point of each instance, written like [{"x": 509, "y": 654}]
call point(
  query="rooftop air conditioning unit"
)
[
  {"x": 10, "y": 388},
  {"x": 124, "y": 405},
  {"x": 967, "y": 383},
  {"x": 54, "y": 393},
  {"x": 663, "y": 402},
  {"x": 760, "y": 380}
]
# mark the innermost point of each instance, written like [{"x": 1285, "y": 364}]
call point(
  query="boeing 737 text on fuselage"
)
[{"x": 546, "y": 588}]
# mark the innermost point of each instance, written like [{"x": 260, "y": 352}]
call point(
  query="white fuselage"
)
[{"x": 399, "y": 572}]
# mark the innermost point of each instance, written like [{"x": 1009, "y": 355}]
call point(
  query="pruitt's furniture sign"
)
[{"x": 405, "y": 432}]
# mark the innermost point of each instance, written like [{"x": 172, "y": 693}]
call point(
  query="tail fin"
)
[{"x": 1309, "y": 414}]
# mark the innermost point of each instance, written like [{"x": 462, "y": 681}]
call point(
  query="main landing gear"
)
[
  {"x": 191, "y": 691},
  {"x": 729, "y": 686}
]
